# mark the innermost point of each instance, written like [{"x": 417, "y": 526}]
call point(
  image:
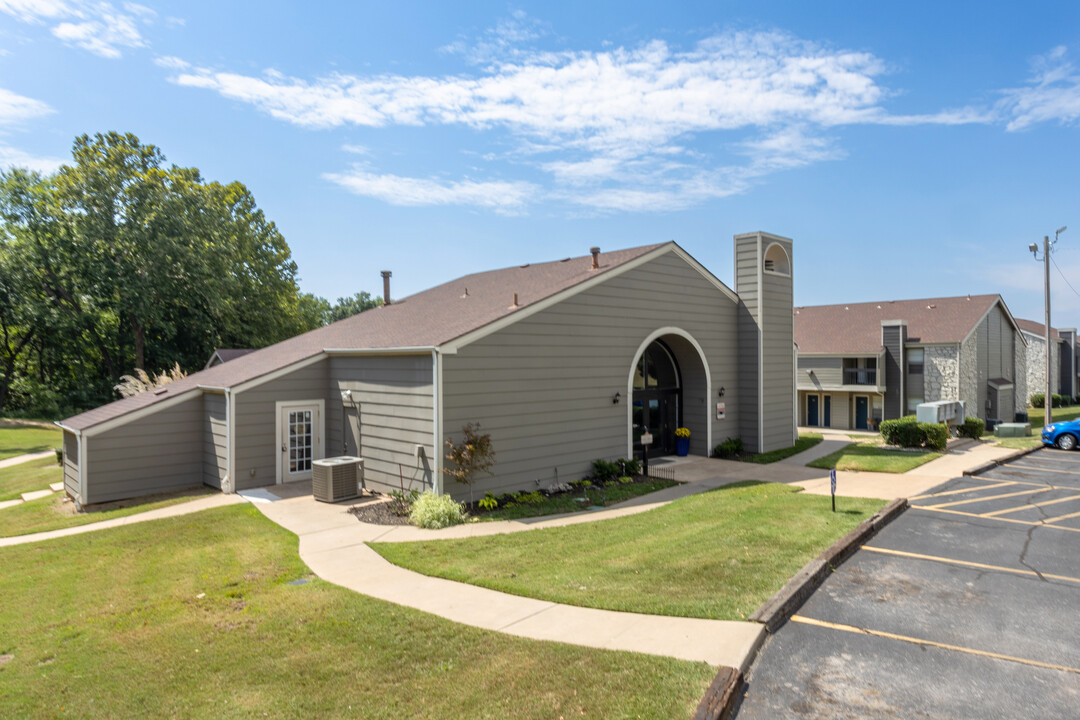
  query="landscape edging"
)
[
  {"x": 1001, "y": 461},
  {"x": 784, "y": 603}
]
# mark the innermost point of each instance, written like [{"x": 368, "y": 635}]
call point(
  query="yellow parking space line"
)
[
  {"x": 1014, "y": 482},
  {"x": 963, "y": 490},
  {"x": 931, "y": 643},
  {"x": 1031, "y": 505},
  {"x": 1042, "y": 469},
  {"x": 1059, "y": 518},
  {"x": 999, "y": 519},
  {"x": 966, "y": 563},
  {"x": 991, "y": 497}
]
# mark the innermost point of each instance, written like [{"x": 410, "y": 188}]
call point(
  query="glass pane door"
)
[{"x": 300, "y": 441}]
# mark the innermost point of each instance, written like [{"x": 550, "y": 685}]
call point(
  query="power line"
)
[{"x": 1063, "y": 276}]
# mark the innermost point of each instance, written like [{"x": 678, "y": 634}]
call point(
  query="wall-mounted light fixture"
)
[
  {"x": 721, "y": 394},
  {"x": 615, "y": 398}
]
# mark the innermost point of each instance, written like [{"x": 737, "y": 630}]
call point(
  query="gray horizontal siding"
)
[
  {"x": 71, "y": 464},
  {"x": 543, "y": 386},
  {"x": 778, "y": 369},
  {"x": 159, "y": 453},
  {"x": 827, "y": 372},
  {"x": 396, "y": 413},
  {"x": 255, "y": 427},
  {"x": 216, "y": 442}
]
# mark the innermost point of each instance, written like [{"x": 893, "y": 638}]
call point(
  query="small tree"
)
[{"x": 472, "y": 455}]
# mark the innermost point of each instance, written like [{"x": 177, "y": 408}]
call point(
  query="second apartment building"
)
[{"x": 861, "y": 363}]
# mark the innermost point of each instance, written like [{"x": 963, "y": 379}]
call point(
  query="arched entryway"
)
[
  {"x": 669, "y": 387},
  {"x": 657, "y": 399}
]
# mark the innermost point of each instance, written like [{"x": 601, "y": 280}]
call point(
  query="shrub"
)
[
  {"x": 972, "y": 428},
  {"x": 628, "y": 466},
  {"x": 625, "y": 480},
  {"x": 731, "y": 447},
  {"x": 529, "y": 498},
  {"x": 488, "y": 502},
  {"x": 936, "y": 435},
  {"x": 59, "y": 455},
  {"x": 1057, "y": 400},
  {"x": 433, "y": 511},
  {"x": 903, "y": 432},
  {"x": 401, "y": 501},
  {"x": 908, "y": 432},
  {"x": 604, "y": 471},
  {"x": 1038, "y": 400}
]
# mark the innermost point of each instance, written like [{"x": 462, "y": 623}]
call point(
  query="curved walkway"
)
[{"x": 332, "y": 543}]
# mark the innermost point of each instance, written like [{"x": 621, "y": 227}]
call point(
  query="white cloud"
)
[
  {"x": 94, "y": 26},
  {"x": 612, "y": 128},
  {"x": 1053, "y": 93},
  {"x": 171, "y": 62},
  {"x": 16, "y": 108},
  {"x": 504, "y": 197},
  {"x": 12, "y": 157}
]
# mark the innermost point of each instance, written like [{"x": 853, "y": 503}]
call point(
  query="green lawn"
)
[
  {"x": 610, "y": 495},
  {"x": 27, "y": 439},
  {"x": 194, "y": 617},
  {"x": 869, "y": 457},
  {"x": 53, "y": 513},
  {"x": 720, "y": 554},
  {"x": 805, "y": 442},
  {"x": 24, "y": 477}
]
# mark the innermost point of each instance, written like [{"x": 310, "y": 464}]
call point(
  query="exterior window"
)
[
  {"x": 915, "y": 361},
  {"x": 860, "y": 371}
]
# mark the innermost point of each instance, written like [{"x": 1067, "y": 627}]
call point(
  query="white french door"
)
[{"x": 300, "y": 439}]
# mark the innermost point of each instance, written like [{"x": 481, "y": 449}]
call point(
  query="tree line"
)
[{"x": 117, "y": 262}]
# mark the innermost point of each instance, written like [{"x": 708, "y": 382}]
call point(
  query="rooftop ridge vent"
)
[{"x": 466, "y": 293}]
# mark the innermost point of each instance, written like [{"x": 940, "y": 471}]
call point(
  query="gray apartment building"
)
[
  {"x": 861, "y": 363},
  {"x": 561, "y": 362},
  {"x": 1063, "y": 358}
]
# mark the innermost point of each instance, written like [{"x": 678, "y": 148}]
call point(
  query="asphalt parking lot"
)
[{"x": 966, "y": 606}]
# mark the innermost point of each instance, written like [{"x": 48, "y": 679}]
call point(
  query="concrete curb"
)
[
  {"x": 1001, "y": 461},
  {"x": 720, "y": 698},
  {"x": 783, "y": 604}
]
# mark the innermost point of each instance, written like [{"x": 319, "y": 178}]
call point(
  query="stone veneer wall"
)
[
  {"x": 968, "y": 376},
  {"x": 941, "y": 373},
  {"x": 1036, "y": 365}
]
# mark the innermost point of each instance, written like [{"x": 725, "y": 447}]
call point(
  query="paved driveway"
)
[{"x": 967, "y": 606}]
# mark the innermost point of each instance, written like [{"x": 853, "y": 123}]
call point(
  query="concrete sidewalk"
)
[
  {"x": 830, "y": 443},
  {"x": 20, "y": 459},
  {"x": 202, "y": 503},
  {"x": 332, "y": 545}
]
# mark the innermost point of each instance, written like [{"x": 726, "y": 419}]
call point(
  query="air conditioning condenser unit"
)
[{"x": 337, "y": 478}]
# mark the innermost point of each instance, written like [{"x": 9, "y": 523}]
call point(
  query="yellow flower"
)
[{"x": 682, "y": 432}]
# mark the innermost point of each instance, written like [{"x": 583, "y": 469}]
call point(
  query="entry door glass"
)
[
  {"x": 811, "y": 410},
  {"x": 298, "y": 442}
]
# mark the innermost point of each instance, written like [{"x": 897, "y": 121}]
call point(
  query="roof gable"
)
[
  {"x": 445, "y": 316},
  {"x": 855, "y": 328}
]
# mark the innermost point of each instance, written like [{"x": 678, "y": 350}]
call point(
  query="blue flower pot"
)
[{"x": 682, "y": 446}]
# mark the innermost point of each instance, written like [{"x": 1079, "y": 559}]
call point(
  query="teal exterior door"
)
[
  {"x": 861, "y": 412},
  {"x": 812, "y": 410}
]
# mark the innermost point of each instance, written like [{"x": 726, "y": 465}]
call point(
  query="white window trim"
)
[{"x": 319, "y": 426}]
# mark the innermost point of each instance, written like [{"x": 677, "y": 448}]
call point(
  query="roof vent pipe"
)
[
  {"x": 595, "y": 257},
  {"x": 386, "y": 287}
]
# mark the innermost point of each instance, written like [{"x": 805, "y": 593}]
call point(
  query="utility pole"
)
[
  {"x": 1048, "y": 402},
  {"x": 1048, "y": 397}
]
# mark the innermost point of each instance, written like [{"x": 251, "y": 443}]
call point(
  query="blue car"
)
[{"x": 1063, "y": 434}]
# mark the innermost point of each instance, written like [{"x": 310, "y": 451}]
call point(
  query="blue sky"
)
[{"x": 910, "y": 149}]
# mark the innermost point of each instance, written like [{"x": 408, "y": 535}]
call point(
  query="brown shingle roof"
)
[
  {"x": 427, "y": 319},
  {"x": 1036, "y": 328},
  {"x": 855, "y": 328},
  {"x": 227, "y": 354}
]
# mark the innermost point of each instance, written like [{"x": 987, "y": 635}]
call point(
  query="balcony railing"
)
[{"x": 860, "y": 376}]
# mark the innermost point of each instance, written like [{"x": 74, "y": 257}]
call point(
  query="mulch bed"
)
[{"x": 377, "y": 512}]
